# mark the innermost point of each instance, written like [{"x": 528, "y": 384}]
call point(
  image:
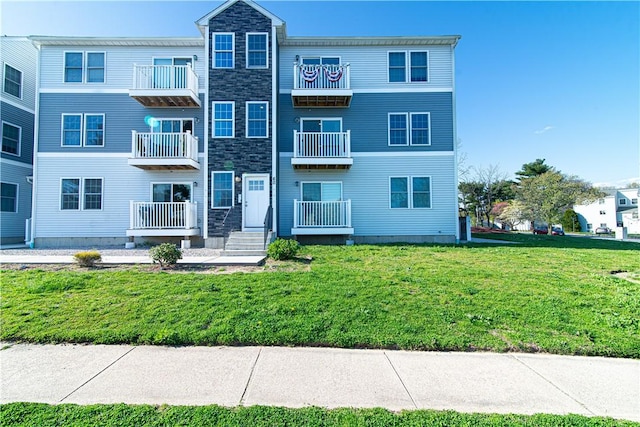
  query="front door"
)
[{"x": 255, "y": 191}]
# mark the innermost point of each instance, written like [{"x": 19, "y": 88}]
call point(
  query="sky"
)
[{"x": 555, "y": 80}]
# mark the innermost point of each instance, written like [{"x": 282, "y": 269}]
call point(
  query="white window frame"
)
[
  {"x": 622, "y": 202},
  {"x": 17, "y": 204},
  {"x": 410, "y": 65},
  {"x": 62, "y": 116},
  {"x": 409, "y": 179},
  {"x": 85, "y": 130},
  {"x": 86, "y": 67},
  {"x": 320, "y": 119},
  {"x": 233, "y": 189},
  {"x": 233, "y": 119},
  {"x": 64, "y": 67},
  {"x": 79, "y": 194},
  {"x": 172, "y": 183},
  {"x": 302, "y": 184},
  {"x": 266, "y": 119},
  {"x": 634, "y": 201},
  {"x": 603, "y": 212},
  {"x": 19, "y": 138},
  {"x": 406, "y": 65},
  {"x": 233, "y": 50},
  {"x": 266, "y": 51},
  {"x": 408, "y": 129},
  {"x": 4, "y": 80},
  {"x": 410, "y": 126},
  {"x": 83, "y": 187},
  {"x": 320, "y": 58}
]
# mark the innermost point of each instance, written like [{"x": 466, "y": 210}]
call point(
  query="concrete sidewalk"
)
[
  {"x": 107, "y": 259},
  {"x": 296, "y": 377}
]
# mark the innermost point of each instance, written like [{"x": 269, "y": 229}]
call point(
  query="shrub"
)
[
  {"x": 282, "y": 249},
  {"x": 88, "y": 258},
  {"x": 165, "y": 254}
]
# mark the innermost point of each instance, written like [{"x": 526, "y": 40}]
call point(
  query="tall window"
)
[
  {"x": 397, "y": 67},
  {"x": 9, "y": 197},
  {"x": 420, "y": 125},
  {"x": 83, "y": 130},
  {"x": 70, "y": 194},
  {"x": 72, "y": 130},
  {"x": 416, "y": 62},
  {"x": 85, "y": 67},
  {"x": 419, "y": 66},
  {"x": 398, "y": 134},
  {"x": 222, "y": 190},
  {"x": 11, "y": 139},
  {"x": 622, "y": 201},
  {"x": 410, "y": 192},
  {"x": 92, "y": 194},
  {"x": 223, "y": 50},
  {"x": 223, "y": 120},
  {"x": 257, "y": 113},
  {"x": 257, "y": 50},
  {"x": 12, "y": 81},
  {"x": 94, "y": 130},
  {"x": 73, "y": 67}
]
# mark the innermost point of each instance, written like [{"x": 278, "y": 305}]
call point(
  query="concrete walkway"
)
[
  {"x": 113, "y": 259},
  {"x": 296, "y": 377}
]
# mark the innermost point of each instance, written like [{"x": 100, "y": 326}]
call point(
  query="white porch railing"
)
[
  {"x": 321, "y": 214},
  {"x": 163, "y": 215},
  {"x": 322, "y": 144},
  {"x": 164, "y": 77},
  {"x": 175, "y": 145},
  {"x": 321, "y": 76}
]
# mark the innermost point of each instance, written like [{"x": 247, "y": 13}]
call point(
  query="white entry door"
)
[{"x": 255, "y": 192}]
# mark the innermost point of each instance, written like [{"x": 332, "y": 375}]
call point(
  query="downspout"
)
[
  {"x": 36, "y": 131},
  {"x": 205, "y": 208},
  {"x": 274, "y": 130}
]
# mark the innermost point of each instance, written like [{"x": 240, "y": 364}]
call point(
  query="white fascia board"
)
[
  {"x": 371, "y": 41},
  {"x": 204, "y": 21},
  {"x": 118, "y": 41}
]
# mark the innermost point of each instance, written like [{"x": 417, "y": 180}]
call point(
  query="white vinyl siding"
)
[
  {"x": 369, "y": 68},
  {"x": 257, "y": 113},
  {"x": 222, "y": 189},
  {"x": 20, "y": 54},
  {"x": 11, "y": 137},
  {"x": 223, "y": 46}
]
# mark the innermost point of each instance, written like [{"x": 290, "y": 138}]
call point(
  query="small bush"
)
[
  {"x": 166, "y": 254},
  {"x": 88, "y": 258},
  {"x": 282, "y": 249}
]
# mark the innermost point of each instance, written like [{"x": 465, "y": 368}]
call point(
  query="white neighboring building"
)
[{"x": 618, "y": 209}]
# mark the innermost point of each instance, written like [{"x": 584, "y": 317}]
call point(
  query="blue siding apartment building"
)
[{"x": 324, "y": 139}]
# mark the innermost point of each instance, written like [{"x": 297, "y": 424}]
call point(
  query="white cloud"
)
[{"x": 543, "y": 130}]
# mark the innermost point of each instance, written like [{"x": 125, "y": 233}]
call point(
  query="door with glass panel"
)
[
  {"x": 169, "y": 139},
  {"x": 169, "y": 205},
  {"x": 167, "y": 76},
  {"x": 320, "y": 137},
  {"x": 322, "y": 205}
]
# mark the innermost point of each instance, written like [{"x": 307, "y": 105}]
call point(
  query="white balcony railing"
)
[
  {"x": 321, "y": 76},
  {"x": 322, "y": 144},
  {"x": 175, "y": 145},
  {"x": 164, "y": 77},
  {"x": 163, "y": 215},
  {"x": 322, "y": 214}
]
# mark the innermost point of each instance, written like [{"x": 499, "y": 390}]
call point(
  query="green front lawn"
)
[
  {"x": 547, "y": 293},
  {"x": 41, "y": 415}
]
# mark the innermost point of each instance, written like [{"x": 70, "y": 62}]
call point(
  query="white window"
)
[
  {"x": 223, "y": 50},
  {"x": 603, "y": 212},
  {"x": 222, "y": 189},
  {"x": 321, "y": 60},
  {"x": 257, "y": 50},
  {"x": 223, "y": 119},
  {"x": 409, "y": 129},
  {"x": 171, "y": 192},
  {"x": 409, "y": 192},
  {"x": 75, "y": 70},
  {"x": 11, "y": 136},
  {"x": 622, "y": 202},
  {"x": 634, "y": 201},
  {"x": 321, "y": 191},
  {"x": 257, "y": 119},
  {"x": 12, "y": 81},
  {"x": 8, "y": 197},
  {"x": 410, "y": 66},
  {"x": 72, "y": 188},
  {"x": 83, "y": 130}
]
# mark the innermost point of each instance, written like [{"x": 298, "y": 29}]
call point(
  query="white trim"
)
[
  {"x": 455, "y": 142},
  {"x": 408, "y": 191},
  {"x": 266, "y": 50},
  {"x": 83, "y": 155},
  {"x": 246, "y": 120},
  {"x": 82, "y": 194},
  {"x": 274, "y": 130},
  {"x": 404, "y": 153},
  {"x": 4, "y": 79},
  {"x": 302, "y": 119},
  {"x": 83, "y": 90},
  {"x": 406, "y": 66},
  {"x": 404, "y": 89},
  {"x": 411, "y": 128},
  {"x": 205, "y": 189},
  {"x": 62, "y": 116},
  {"x": 19, "y": 138},
  {"x": 233, "y": 119},
  {"x": 172, "y": 183},
  {"x": 86, "y": 68},
  {"x": 62, "y": 178},
  {"x": 409, "y": 68},
  {"x": 17, "y": 105},
  {"x": 321, "y": 183},
  {"x": 409, "y": 179},
  {"x": 64, "y": 67},
  {"x": 16, "y": 163},
  {"x": 233, "y": 50},
  {"x": 233, "y": 189},
  {"x": 407, "y": 129},
  {"x": 246, "y": 177},
  {"x": 17, "y": 203},
  {"x": 36, "y": 136},
  {"x": 84, "y": 128},
  {"x": 320, "y": 57},
  {"x": 224, "y": 6}
]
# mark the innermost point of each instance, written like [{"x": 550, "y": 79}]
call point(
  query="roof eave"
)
[{"x": 204, "y": 21}]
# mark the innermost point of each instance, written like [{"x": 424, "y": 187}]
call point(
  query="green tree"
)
[
  {"x": 547, "y": 196},
  {"x": 533, "y": 169},
  {"x": 570, "y": 221}
]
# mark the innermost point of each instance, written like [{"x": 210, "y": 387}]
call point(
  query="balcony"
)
[
  {"x": 164, "y": 151},
  {"x": 322, "y": 218},
  {"x": 158, "y": 86},
  {"x": 321, "y": 150},
  {"x": 321, "y": 86},
  {"x": 163, "y": 219}
]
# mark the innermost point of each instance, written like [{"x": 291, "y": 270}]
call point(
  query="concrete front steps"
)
[{"x": 245, "y": 244}]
